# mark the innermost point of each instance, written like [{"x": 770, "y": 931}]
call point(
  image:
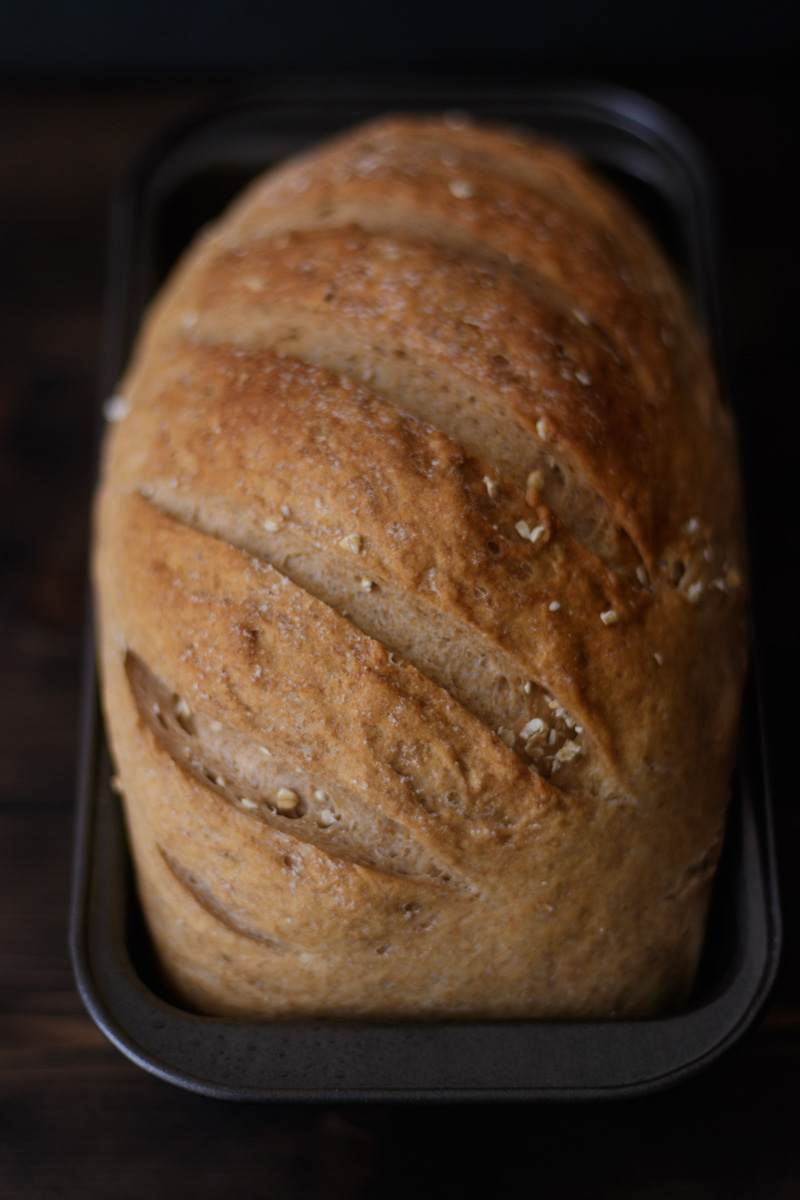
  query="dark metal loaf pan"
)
[{"x": 183, "y": 181}]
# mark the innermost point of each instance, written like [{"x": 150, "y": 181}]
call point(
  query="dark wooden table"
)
[{"x": 76, "y": 1118}]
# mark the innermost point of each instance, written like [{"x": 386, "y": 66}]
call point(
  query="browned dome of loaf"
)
[{"x": 419, "y": 571}]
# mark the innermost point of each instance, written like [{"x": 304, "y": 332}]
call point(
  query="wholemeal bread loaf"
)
[{"x": 419, "y": 569}]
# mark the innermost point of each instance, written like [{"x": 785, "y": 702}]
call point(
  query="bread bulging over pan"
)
[{"x": 420, "y": 579}]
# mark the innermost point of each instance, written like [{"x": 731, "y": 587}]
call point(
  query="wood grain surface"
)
[{"x": 76, "y": 1118}]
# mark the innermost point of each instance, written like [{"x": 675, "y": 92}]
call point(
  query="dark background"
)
[
  {"x": 83, "y": 86},
  {"x": 149, "y": 39}
]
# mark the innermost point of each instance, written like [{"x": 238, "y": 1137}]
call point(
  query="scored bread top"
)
[{"x": 420, "y": 583}]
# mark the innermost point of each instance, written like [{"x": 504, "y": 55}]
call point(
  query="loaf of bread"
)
[{"x": 420, "y": 590}]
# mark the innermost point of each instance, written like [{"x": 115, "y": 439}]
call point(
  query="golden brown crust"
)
[{"x": 496, "y": 707}]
